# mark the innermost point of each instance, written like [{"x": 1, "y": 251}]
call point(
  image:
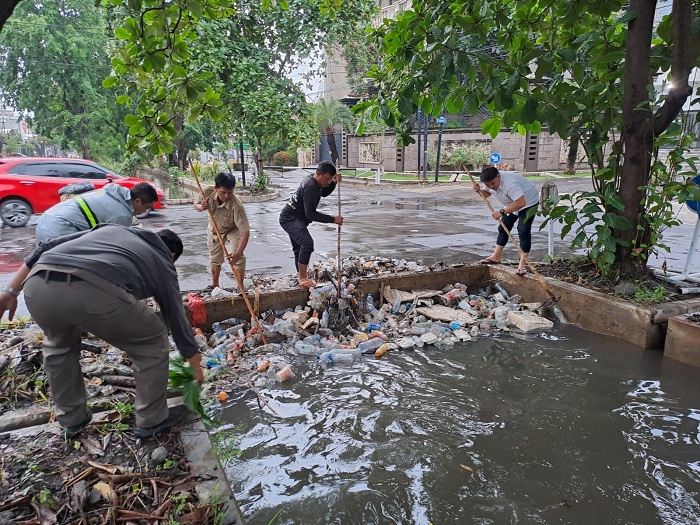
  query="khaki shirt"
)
[{"x": 229, "y": 216}]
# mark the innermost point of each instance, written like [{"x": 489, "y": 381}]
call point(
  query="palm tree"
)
[{"x": 329, "y": 114}]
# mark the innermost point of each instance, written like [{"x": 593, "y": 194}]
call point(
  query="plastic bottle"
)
[
  {"x": 312, "y": 340},
  {"x": 371, "y": 345},
  {"x": 502, "y": 290},
  {"x": 218, "y": 352},
  {"x": 201, "y": 340},
  {"x": 374, "y": 312},
  {"x": 325, "y": 318},
  {"x": 335, "y": 356},
  {"x": 306, "y": 349},
  {"x": 559, "y": 314},
  {"x": 379, "y": 352}
]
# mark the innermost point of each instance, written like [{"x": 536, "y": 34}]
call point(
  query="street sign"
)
[
  {"x": 441, "y": 120},
  {"x": 495, "y": 158}
]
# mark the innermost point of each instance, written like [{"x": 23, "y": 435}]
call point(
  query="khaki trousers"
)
[{"x": 64, "y": 310}]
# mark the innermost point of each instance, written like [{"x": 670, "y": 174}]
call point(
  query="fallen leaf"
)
[
  {"x": 104, "y": 489},
  {"x": 468, "y": 469}
]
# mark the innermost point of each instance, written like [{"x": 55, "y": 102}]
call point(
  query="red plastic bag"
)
[{"x": 196, "y": 306}]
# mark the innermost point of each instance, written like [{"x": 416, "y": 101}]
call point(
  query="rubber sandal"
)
[
  {"x": 489, "y": 261},
  {"x": 307, "y": 283},
  {"x": 521, "y": 271}
]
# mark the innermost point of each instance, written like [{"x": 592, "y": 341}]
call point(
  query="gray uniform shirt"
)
[
  {"x": 111, "y": 204},
  {"x": 133, "y": 259}
]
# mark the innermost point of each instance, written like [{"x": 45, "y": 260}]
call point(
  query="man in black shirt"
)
[{"x": 300, "y": 211}]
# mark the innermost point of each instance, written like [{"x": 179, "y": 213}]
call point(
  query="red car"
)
[{"x": 30, "y": 185}]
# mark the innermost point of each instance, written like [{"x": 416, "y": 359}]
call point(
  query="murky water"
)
[{"x": 519, "y": 429}]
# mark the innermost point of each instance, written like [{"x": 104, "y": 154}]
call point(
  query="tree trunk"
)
[
  {"x": 637, "y": 134},
  {"x": 6, "y": 8},
  {"x": 330, "y": 138},
  {"x": 640, "y": 126},
  {"x": 573, "y": 153}
]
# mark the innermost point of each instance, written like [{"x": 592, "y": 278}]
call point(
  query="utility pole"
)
[
  {"x": 425, "y": 149},
  {"x": 441, "y": 121},
  {"x": 419, "y": 124}
]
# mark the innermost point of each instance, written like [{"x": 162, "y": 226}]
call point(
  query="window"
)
[
  {"x": 81, "y": 171},
  {"x": 36, "y": 169}
]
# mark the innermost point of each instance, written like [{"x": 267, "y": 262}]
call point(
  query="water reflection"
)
[{"x": 573, "y": 428}]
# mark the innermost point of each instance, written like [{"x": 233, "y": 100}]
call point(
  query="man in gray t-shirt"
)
[
  {"x": 113, "y": 204},
  {"x": 517, "y": 195}
]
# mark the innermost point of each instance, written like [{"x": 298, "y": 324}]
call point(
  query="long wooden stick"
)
[
  {"x": 340, "y": 261},
  {"x": 510, "y": 235},
  {"x": 223, "y": 247}
]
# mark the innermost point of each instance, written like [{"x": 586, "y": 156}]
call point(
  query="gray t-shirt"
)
[
  {"x": 512, "y": 187},
  {"x": 111, "y": 205}
]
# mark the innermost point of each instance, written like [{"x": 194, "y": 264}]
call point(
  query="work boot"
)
[
  {"x": 176, "y": 415},
  {"x": 71, "y": 432}
]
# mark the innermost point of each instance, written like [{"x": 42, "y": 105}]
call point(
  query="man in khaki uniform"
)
[{"x": 232, "y": 222}]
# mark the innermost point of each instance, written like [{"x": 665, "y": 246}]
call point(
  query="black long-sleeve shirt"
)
[
  {"x": 304, "y": 201},
  {"x": 135, "y": 260}
]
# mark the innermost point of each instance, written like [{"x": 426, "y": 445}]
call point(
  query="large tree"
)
[
  {"x": 53, "y": 58},
  {"x": 583, "y": 69},
  {"x": 227, "y": 61}
]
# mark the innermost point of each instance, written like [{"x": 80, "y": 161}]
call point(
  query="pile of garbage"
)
[
  {"x": 327, "y": 270},
  {"x": 343, "y": 327}
]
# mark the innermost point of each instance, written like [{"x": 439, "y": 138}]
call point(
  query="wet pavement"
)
[{"x": 426, "y": 223}]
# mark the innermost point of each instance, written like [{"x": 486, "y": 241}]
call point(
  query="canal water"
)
[{"x": 565, "y": 427}]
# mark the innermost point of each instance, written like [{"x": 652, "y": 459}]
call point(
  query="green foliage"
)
[
  {"x": 261, "y": 183},
  {"x": 181, "y": 375},
  {"x": 131, "y": 165},
  {"x": 470, "y": 156},
  {"x": 176, "y": 174},
  {"x": 653, "y": 295},
  {"x": 207, "y": 59},
  {"x": 553, "y": 65},
  {"x": 53, "y": 57}
]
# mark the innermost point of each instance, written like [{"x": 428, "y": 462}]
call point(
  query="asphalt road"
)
[{"x": 427, "y": 223}]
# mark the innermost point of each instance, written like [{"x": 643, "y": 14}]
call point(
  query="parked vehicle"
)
[{"x": 30, "y": 185}]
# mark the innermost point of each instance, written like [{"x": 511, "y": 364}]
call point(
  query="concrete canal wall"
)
[{"x": 644, "y": 326}]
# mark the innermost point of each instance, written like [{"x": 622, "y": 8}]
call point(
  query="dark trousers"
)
[
  {"x": 524, "y": 228},
  {"x": 302, "y": 242}
]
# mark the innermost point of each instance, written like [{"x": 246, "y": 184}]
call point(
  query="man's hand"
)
[
  {"x": 233, "y": 258},
  {"x": 204, "y": 205},
  {"x": 196, "y": 364},
  {"x": 8, "y": 303},
  {"x": 338, "y": 177},
  {"x": 476, "y": 187},
  {"x": 338, "y": 220}
]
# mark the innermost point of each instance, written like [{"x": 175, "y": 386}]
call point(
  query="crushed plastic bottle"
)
[{"x": 371, "y": 345}]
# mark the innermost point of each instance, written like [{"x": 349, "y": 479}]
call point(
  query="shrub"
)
[{"x": 281, "y": 158}]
